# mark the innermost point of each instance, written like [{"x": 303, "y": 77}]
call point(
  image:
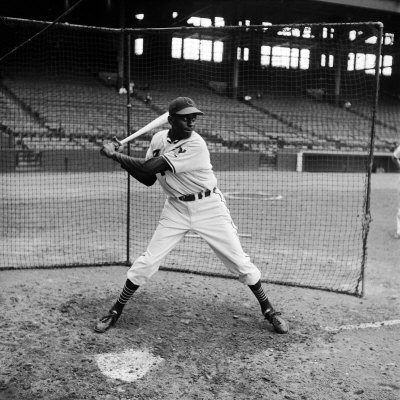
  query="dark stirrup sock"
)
[
  {"x": 261, "y": 297},
  {"x": 127, "y": 292}
]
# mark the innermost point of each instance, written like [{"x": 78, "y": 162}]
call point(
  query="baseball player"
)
[
  {"x": 179, "y": 159},
  {"x": 396, "y": 159}
]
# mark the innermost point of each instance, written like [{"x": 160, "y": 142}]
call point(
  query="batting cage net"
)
[{"x": 289, "y": 119}]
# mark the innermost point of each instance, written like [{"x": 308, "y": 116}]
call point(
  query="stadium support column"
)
[
  {"x": 121, "y": 48},
  {"x": 235, "y": 63},
  {"x": 340, "y": 62}
]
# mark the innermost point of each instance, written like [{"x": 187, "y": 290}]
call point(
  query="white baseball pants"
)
[{"x": 210, "y": 218}]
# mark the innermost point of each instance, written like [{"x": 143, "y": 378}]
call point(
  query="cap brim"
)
[{"x": 189, "y": 110}]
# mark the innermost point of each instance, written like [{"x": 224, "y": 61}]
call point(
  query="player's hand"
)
[{"x": 108, "y": 150}]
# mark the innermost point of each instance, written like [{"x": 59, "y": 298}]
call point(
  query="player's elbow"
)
[
  {"x": 155, "y": 165},
  {"x": 150, "y": 182}
]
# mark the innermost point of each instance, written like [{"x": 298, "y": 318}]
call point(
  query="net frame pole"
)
[
  {"x": 128, "y": 129},
  {"x": 367, "y": 209}
]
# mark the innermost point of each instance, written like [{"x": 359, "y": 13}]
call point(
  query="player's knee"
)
[
  {"x": 142, "y": 269},
  {"x": 250, "y": 275}
]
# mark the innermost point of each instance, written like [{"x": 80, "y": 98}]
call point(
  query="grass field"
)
[{"x": 300, "y": 228}]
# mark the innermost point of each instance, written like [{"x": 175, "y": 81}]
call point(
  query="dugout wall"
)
[{"x": 265, "y": 91}]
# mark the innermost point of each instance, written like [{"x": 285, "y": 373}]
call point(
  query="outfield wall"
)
[{"x": 91, "y": 160}]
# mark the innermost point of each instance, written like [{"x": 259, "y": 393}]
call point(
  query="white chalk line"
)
[
  {"x": 254, "y": 196},
  {"x": 366, "y": 325}
]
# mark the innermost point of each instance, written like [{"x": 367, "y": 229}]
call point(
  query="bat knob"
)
[{"x": 117, "y": 143}]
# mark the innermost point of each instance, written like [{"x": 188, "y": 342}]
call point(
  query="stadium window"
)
[
  {"x": 289, "y": 32},
  {"x": 191, "y": 49},
  {"x": 219, "y": 21},
  {"x": 243, "y": 53},
  {"x": 304, "y": 61},
  {"x": 352, "y": 35},
  {"x": 366, "y": 63},
  {"x": 139, "y": 46},
  {"x": 176, "y": 48},
  {"x": 218, "y": 51},
  {"x": 328, "y": 33},
  {"x": 195, "y": 21},
  {"x": 197, "y": 49},
  {"x": 350, "y": 62},
  {"x": 265, "y": 56},
  {"x": 205, "y": 50},
  {"x": 327, "y": 61},
  {"x": 387, "y": 63},
  {"x": 286, "y": 57},
  {"x": 388, "y": 39},
  {"x": 198, "y": 21},
  {"x": 280, "y": 57},
  {"x": 307, "y": 32}
]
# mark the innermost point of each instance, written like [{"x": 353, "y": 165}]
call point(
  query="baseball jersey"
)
[
  {"x": 189, "y": 160},
  {"x": 396, "y": 152}
]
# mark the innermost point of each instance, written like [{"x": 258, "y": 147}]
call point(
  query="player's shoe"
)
[
  {"x": 107, "y": 321},
  {"x": 280, "y": 325}
]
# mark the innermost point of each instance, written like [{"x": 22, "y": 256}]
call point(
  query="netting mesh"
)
[{"x": 288, "y": 122}]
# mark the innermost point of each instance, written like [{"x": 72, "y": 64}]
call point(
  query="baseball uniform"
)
[{"x": 191, "y": 174}]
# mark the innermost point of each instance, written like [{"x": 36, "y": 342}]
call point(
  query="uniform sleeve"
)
[
  {"x": 143, "y": 170},
  {"x": 396, "y": 152},
  {"x": 396, "y": 156},
  {"x": 188, "y": 157}
]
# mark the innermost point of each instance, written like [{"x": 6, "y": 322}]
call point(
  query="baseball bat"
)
[{"x": 161, "y": 120}]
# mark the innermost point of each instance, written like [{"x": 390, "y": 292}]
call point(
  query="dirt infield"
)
[{"x": 205, "y": 333}]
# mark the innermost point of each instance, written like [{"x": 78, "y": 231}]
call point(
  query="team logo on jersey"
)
[{"x": 179, "y": 150}]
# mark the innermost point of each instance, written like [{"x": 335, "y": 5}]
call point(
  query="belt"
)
[{"x": 197, "y": 196}]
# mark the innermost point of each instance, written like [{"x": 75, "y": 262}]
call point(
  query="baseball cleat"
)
[
  {"x": 107, "y": 321},
  {"x": 280, "y": 325}
]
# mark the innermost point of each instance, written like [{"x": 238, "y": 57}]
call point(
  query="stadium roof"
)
[
  {"x": 158, "y": 12},
  {"x": 382, "y": 5}
]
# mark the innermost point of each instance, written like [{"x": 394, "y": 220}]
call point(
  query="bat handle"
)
[{"x": 117, "y": 143}]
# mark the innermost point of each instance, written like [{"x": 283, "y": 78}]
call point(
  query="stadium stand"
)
[{"x": 33, "y": 108}]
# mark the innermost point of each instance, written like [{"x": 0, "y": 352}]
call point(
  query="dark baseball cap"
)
[{"x": 183, "y": 106}]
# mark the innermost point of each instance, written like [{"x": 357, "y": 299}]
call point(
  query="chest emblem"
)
[{"x": 179, "y": 150}]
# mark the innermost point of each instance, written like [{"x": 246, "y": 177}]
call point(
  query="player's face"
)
[{"x": 182, "y": 125}]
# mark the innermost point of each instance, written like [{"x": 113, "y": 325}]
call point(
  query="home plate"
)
[{"x": 127, "y": 366}]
